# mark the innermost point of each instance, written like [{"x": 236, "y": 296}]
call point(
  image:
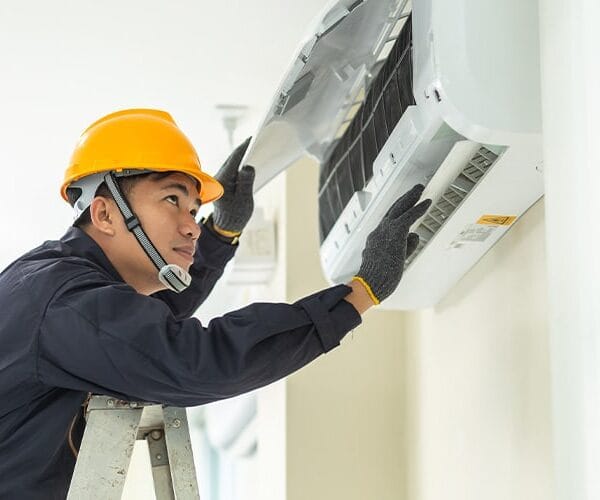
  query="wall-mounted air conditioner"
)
[{"x": 386, "y": 94}]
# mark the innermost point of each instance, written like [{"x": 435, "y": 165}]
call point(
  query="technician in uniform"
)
[{"x": 107, "y": 308}]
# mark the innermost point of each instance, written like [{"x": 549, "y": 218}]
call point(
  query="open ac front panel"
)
[{"x": 386, "y": 95}]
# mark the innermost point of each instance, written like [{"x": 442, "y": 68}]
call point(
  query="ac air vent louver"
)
[{"x": 458, "y": 190}]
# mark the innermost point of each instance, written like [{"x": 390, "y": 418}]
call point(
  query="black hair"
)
[{"x": 125, "y": 185}]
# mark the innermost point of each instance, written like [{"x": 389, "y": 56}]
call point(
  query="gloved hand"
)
[
  {"x": 389, "y": 244},
  {"x": 233, "y": 210}
]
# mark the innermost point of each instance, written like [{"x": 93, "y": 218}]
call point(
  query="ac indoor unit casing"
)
[{"x": 385, "y": 95}]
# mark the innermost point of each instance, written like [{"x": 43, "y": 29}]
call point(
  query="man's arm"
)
[{"x": 106, "y": 338}]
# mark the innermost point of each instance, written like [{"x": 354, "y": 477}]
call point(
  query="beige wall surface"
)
[
  {"x": 447, "y": 403},
  {"x": 479, "y": 379},
  {"x": 344, "y": 411}
]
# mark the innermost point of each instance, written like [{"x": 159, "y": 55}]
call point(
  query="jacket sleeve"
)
[
  {"x": 111, "y": 340},
  {"x": 210, "y": 259}
]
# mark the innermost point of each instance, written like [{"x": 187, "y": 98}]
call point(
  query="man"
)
[{"x": 106, "y": 309}]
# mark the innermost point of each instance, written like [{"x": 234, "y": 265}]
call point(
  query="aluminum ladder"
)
[{"x": 112, "y": 428}]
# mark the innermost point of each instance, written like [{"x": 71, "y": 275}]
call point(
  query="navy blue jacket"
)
[{"x": 69, "y": 325}]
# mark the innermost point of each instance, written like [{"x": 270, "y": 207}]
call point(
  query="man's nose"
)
[{"x": 190, "y": 227}]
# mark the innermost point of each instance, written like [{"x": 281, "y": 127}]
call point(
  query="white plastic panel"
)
[
  {"x": 482, "y": 57},
  {"x": 337, "y": 58}
]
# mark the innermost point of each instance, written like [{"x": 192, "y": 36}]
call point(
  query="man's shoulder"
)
[
  {"x": 53, "y": 257},
  {"x": 49, "y": 267}
]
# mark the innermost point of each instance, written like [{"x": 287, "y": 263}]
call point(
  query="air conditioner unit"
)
[{"x": 386, "y": 94}]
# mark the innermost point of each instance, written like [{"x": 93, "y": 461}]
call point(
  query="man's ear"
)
[{"x": 102, "y": 214}]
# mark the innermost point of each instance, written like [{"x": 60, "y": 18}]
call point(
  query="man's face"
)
[{"x": 167, "y": 208}]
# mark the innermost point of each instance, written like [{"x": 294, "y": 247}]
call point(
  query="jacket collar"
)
[{"x": 84, "y": 246}]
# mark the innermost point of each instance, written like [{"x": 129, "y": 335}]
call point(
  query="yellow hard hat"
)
[{"x": 138, "y": 139}]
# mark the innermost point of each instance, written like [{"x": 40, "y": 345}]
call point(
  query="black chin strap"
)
[{"x": 172, "y": 276}]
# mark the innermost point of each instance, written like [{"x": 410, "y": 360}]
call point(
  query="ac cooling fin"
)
[{"x": 350, "y": 165}]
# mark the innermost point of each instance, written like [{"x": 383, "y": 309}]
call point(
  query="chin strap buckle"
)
[{"x": 174, "y": 278}]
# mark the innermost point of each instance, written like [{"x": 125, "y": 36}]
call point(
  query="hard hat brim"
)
[{"x": 210, "y": 188}]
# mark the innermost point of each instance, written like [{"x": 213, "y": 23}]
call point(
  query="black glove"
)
[
  {"x": 389, "y": 244},
  {"x": 233, "y": 210}
]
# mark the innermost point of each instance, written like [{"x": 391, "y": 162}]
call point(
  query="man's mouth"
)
[{"x": 187, "y": 252}]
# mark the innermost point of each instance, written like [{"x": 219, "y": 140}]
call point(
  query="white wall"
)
[{"x": 571, "y": 121}]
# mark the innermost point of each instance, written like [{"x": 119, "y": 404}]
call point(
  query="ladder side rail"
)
[{"x": 105, "y": 451}]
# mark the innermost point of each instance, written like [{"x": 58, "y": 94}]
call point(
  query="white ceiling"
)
[{"x": 67, "y": 62}]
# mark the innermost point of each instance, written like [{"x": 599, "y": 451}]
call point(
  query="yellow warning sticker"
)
[{"x": 496, "y": 220}]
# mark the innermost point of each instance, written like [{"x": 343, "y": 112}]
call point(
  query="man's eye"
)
[
  {"x": 173, "y": 199},
  {"x": 194, "y": 212}
]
